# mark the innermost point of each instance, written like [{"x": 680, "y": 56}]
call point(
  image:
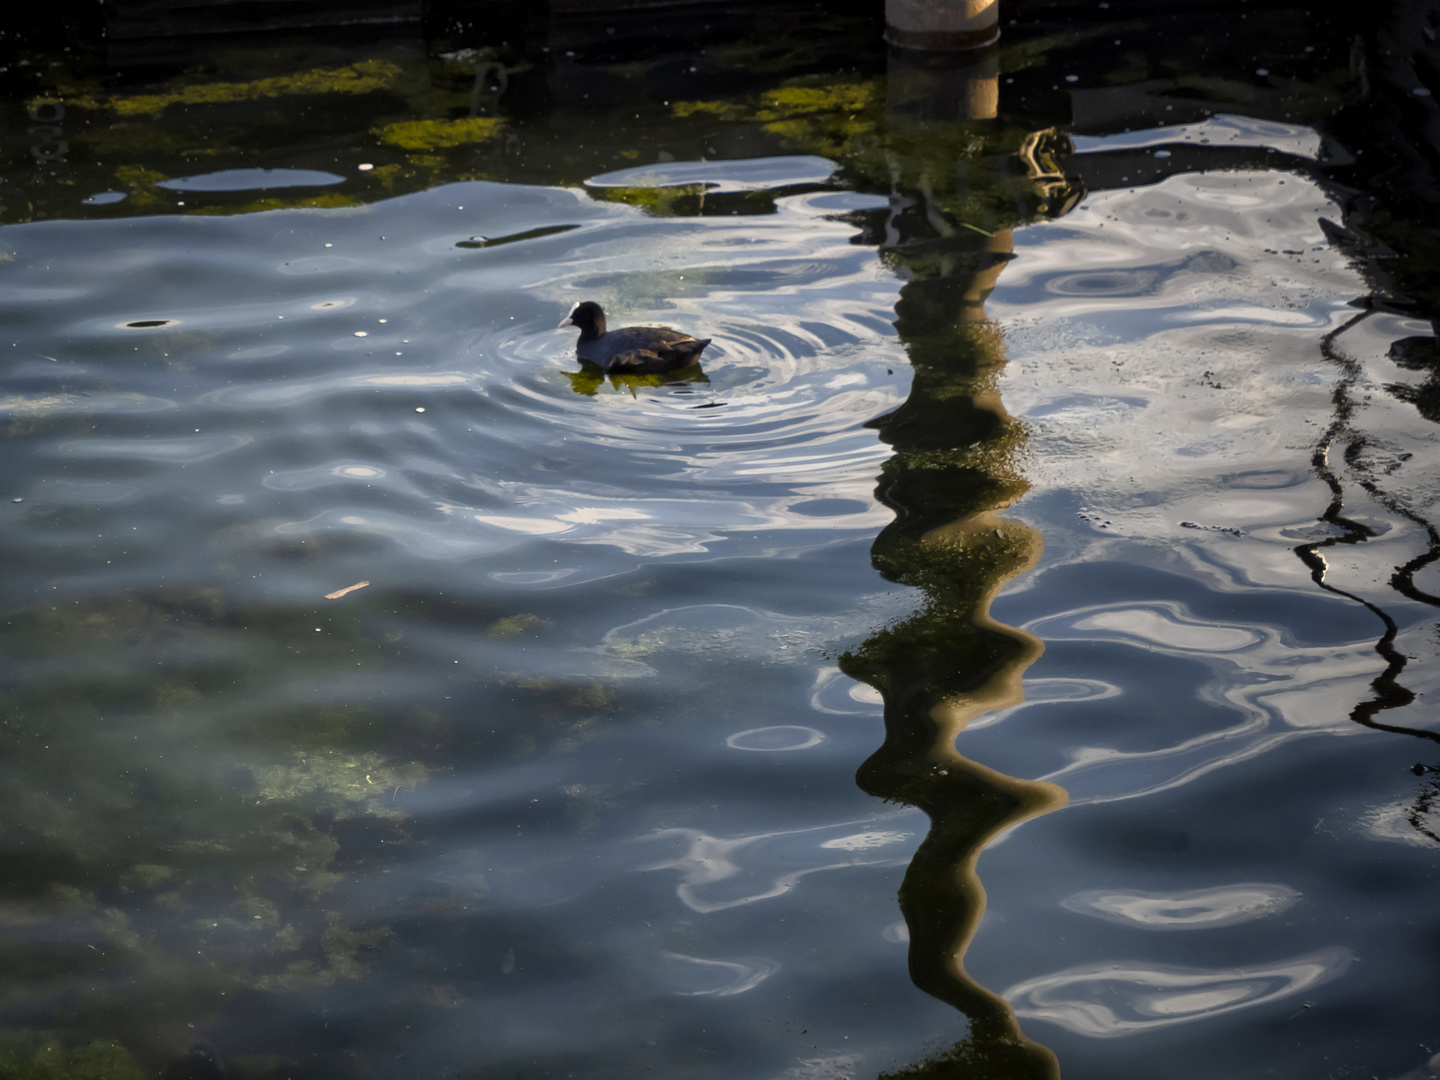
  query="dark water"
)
[{"x": 1012, "y": 655}]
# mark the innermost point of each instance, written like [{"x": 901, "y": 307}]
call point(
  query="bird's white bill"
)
[{"x": 567, "y": 321}]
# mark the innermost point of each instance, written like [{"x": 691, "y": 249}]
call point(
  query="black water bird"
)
[{"x": 631, "y": 350}]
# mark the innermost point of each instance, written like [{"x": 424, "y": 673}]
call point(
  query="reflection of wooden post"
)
[
  {"x": 942, "y": 25},
  {"x": 999, "y": 247},
  {"x": 953, "y": 469},
  {"x": 944, "y": 671},
  {"x": 943, "y": 85}
]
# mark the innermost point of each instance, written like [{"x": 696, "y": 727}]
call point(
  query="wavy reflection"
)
[
  {"x": 1369, "y": 466},
  {"x": 950, "y": 663},
  {"x": 1110, "y": 999},
  {"x": 1190, "y": 909},
  {"x": 1387, "y": 691},
  {"x": 1220, "y": 130},
  {"x": 694, "y": 976},
  {"x": 718, "y": 872},
  {"x": 1277, "y": 689}
]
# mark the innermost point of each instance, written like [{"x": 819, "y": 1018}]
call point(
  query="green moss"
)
[
  {"x": 952, "y": 164},
  {"x": 344, "y": 783},
  {"x": 139, "y": 183},
  {"x": 340, "y": 947},
  {"x": 594, "y": 696},
  {"x": 725, "y": 110},
  {"x": 439, "y": 134},
  {"x": 328, "y": 201},
  {"x": 657, "y": 199},
  {"x": 97, "y": 1060},
  {"x": 643, "y": 645},
  {"x": 145, "y": 876},
  {"x": 515, "y": 625},
  {"x": 69, "y": 898},
  {"x": 363, "y": 77}
]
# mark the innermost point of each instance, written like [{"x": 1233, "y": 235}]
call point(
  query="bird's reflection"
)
[{"x": 591, "y": 378}]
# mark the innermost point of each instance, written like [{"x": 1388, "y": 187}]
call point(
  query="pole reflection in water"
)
[{"x": 952, "y": 472}]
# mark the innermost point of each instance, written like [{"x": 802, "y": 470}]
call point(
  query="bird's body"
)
[{"x": 631, "y": 349}]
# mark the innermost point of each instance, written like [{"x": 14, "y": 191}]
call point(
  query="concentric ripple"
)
[{"x": 402, "y": 393}]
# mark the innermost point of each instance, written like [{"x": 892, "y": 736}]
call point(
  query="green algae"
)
[
  {"x": 418, "y": 135},
  {"x": 100, "y": 1059},
  {"x": 515, "y": 625},
  {"x": 361, "y": 77}
]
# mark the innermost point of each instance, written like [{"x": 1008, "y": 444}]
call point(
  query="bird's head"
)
[{"x": 588, "y": 317}]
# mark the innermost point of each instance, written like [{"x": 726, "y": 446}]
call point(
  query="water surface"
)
[{"x": 1006, "y": 656}]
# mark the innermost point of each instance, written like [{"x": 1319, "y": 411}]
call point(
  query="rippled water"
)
[
  {"x": 584, "y": 602},
  {"x": 388, "y": 695}
]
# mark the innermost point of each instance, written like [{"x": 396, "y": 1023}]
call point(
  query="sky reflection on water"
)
[{"x": 584, "y": 746}]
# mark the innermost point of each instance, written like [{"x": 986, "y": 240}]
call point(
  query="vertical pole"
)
[{"x": 942, "y": 25}]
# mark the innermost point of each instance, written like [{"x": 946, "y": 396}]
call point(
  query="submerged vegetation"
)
[{"x": 187, "y": 857}]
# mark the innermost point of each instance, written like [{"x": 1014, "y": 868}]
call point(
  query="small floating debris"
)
[
  {"x": 338, "y": 593},
  {"x": 528, "y": 234},
  {"x": 146, "y": 324},
  {"x": 365, "y": 166}
]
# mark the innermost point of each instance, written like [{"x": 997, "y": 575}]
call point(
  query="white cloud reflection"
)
[
  {"x": 1276, "y": 688},
  {"x": 1192, "y": 909},
  {"x": 1129, "y": 997},
  {"x": 1220, "y": 130},
  {"x": 837, "y": 694},
  {"x": 718, "y": 873},
  {"x": 744, "y": 174},
  {"x": 693, "y": 976},
  {"x": 1403, "y": 822},
  {"x": 778, "y": 738}
]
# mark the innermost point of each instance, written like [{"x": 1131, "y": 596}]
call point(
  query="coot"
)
[{"x": 631, "y": 349}]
